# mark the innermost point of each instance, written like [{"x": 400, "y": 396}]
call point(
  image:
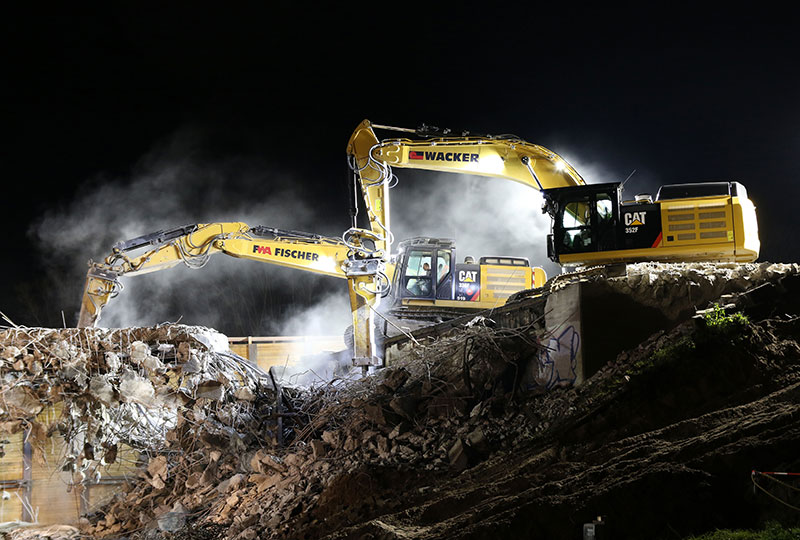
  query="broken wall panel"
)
[
  {"x": 53, "y": 500},
  {"x": 283, "y": 350},
  {"x": 47, "y": 493},
  {"x": 11, "y": 508},
  {"x": 11, "y": 464},
  {"x": 79, "y": 406},
  {"x": 12, "y": 479}
]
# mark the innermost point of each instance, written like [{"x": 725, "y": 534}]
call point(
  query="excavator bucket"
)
[{"x": 101, "y": 286}]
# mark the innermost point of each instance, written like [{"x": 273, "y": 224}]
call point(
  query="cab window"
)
[
  {"x": 418, "y": 275},
  {"x": 575, "y": 219},
  {"x": 605, "y": 209},
  {"x": 442, "y": 265}
]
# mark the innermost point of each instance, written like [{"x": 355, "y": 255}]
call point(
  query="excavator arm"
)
[
  {"x": 192, "y": 245},
  {"x": 502, "y": 156}
]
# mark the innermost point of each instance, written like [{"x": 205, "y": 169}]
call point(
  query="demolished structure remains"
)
[{"x": 474, "y": 429}]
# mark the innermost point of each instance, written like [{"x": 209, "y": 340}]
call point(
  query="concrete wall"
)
[{"x": 559, "y": 362}]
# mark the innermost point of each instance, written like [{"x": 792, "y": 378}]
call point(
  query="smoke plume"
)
[
  {"x": 182, "y": 182},
  {"x": 178, "y": 184}
]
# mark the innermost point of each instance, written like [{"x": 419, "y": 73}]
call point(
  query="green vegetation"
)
[
  {"x": 720, "y": 324},
  {"x": 773, "y": 531},
  {"x": 717, "y": 327},
  {"x": 671, "y": 352}
]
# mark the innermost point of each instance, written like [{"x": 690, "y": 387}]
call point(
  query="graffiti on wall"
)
[{"x": 558, "y": 359}]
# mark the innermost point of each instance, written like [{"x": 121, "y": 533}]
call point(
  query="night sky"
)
[{"x": 262, "y": 102}]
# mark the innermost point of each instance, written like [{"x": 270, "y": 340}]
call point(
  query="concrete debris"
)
[
  {"x": 173, "y": 520},
  {"x": 657, "y": 284},
  {"x": 29, "y": 531},
  {"x": 447, "y": 442},
  {"x": 20, "y": 401},
  {"x": 236, "y": 474},
  {"x": 102, "y": 390},
  {"x": 213, "y": 390},
  {"x": 136, "y": 389},
  {"x": 124, "y": 386}
]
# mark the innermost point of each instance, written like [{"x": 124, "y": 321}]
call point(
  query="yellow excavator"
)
[
  {"x": 423, "y": 281},
  {"x": 424, "y": 273},
  {"x": 192, "y": 245},
  {"x": 591, "y": 224}
]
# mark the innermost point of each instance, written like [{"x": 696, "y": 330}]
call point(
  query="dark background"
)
[{"x": 263, "y": 101}]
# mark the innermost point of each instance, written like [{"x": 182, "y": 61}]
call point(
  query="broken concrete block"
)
[
  {"x": 34, "y": 366},
  {"x": 477, "y": 441},
  {"x": 174, "y": 520},
  {"x": 394, "y": 379},
  {"x": 63, "y": 350},
  {"x": 212, "y": 390},
  {"x": 136, "y": 389},
  {"x": 405, "y": 406},
  {"x": 458, "y": 455},
  {"x": 398, "y": 430},
  {"x": 350, "y": 444},
  {"x": 333, "y": 438},
  {"x": 75, "y": 373},
  {"x": 139, "y": 351},
  {"x": 9, "y": 352},
  {"x": 383, "y": 445},
  {"x": 112, "y": 361},
  {"x": 21, "y": 401},
  {"x": 267, "y": 481},
  {"x": 375, "y": 413},
  {"x": 102, "y": 390},
  {"x": 318, "y": 448},
  {"x": 230, "y": 484},
  {"x": 245, "y": 394},
  {"x": 157, "y": 472}
]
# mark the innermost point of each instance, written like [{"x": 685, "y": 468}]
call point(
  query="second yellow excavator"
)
[
  {"x": 423, "y": 282},
  {"x": 591, "y": 224}
]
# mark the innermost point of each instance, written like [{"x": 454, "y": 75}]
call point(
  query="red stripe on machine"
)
[{"x": 658, "y": 240}]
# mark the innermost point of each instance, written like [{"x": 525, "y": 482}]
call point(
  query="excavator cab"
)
[
  {"x": 424, "y": 269},
  {"x": 585, "y": 219},
  {"x": 428, "y": 274},
  {"x": 709, "y": 221}
]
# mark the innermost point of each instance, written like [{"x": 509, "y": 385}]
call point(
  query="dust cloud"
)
[
  {"x": 177, "y": 183},
  {"x": 173, "y": 185},
  {"x": 485, "y": 216}
]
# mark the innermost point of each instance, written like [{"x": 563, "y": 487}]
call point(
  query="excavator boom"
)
[
  {"x": 192, "y": 245},
  {"x": 493, "y": 156}
]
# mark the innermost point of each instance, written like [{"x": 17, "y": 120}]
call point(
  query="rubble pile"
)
[
  {"x": 121, "y": 387},
  {"x": 443, "y": 444},
  {"x": 52, "y": 532},
  {"x": 661, "y": 442},
  {"x": 425, "y": 419},
  {"x": 674, "y": 287}
]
